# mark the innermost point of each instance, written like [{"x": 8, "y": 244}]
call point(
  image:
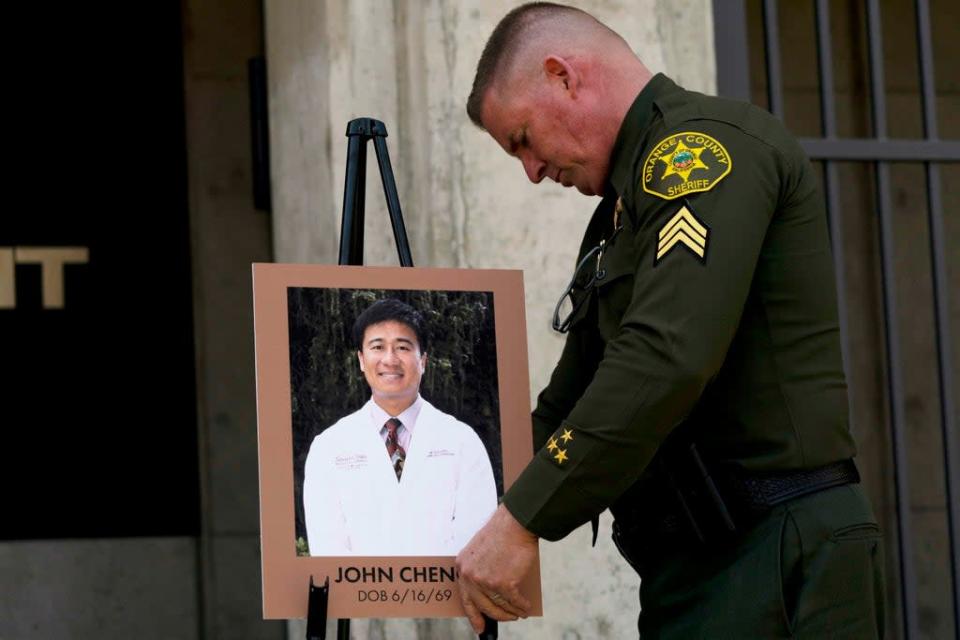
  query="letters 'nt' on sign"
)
[{"x": 51, "y": 261}]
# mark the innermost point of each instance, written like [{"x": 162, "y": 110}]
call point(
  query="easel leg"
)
[
  {"x": 351, "y": 228},
  {"x": 393, "y": 201},
  {"x": 317, "y": 610}
]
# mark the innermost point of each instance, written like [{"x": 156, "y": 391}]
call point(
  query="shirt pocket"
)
[{"x": 614, "y": 284}]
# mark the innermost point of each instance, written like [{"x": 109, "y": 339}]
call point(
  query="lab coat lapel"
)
[{"x": 423, "y": 438}]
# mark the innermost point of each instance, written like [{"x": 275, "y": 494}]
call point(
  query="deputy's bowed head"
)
[{"x": 552, "y": 87}]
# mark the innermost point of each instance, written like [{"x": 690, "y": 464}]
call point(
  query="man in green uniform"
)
[{"x": 700, "y": 395}]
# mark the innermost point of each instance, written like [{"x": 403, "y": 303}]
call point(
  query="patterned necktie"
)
[{"x": 394, "y": 450}]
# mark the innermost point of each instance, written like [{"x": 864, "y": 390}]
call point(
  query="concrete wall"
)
[
  {"x": 227, "y": 235},
  {"x": 466, "y": 204}
]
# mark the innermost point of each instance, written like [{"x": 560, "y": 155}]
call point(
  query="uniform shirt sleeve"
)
[
  {"x": 581, "y": 351},
  {"x": 567, "y": 382},
  {"x": 674, "y": 332}
]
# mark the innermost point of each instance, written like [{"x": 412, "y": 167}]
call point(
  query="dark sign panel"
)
[{"x": 97, "y": 399}]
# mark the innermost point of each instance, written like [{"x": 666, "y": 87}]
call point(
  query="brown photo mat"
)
[{"x": 383, "y": 586}]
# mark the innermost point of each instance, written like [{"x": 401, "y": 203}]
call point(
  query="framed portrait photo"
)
[{"x": 393, "y": 411}]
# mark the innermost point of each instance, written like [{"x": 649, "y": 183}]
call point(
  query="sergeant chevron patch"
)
[{"x": 684, "y": 228}]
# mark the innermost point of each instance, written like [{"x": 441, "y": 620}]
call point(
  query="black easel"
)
[{"x": 359, "y": 132}]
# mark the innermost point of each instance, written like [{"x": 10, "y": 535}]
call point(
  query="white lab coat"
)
[{"x": 353, "y": 504}]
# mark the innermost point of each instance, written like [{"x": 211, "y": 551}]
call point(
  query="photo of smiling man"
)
[{"x": 397, "y": 477}]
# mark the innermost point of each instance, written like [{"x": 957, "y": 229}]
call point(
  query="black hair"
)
[{"x": 386, "y": 310}]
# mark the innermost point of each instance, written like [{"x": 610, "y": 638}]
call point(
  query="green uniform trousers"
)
[{"x": 811, "y": 569}]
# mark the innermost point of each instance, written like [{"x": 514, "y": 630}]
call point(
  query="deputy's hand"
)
[{"x": 491, "y": 567}]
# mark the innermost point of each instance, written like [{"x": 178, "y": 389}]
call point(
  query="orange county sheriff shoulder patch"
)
[
  {"x": 683, "y": 228},
  {"x": 685, "y": 163}
]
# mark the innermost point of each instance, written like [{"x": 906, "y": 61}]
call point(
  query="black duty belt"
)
[
  {"x": 684, "y": 502},
  {"x": 761, "y": 491}
]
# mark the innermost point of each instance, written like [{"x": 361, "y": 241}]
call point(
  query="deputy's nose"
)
[{"x": 535, "y": 168}]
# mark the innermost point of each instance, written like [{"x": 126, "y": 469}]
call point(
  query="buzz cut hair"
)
[
  {"x": 503, "y": 44},
  {"x": 391, "y": 310}
]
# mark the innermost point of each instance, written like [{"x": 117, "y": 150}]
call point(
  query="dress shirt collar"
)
[{"x": 408, "y": 417}]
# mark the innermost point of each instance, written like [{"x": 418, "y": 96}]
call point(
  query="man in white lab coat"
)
[{"x": 398, "y": 477}]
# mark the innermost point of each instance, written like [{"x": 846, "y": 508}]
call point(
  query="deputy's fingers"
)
[
  {"x": 500, "y": 595},
  {"x": 491, "y": 608},
  {"x": 480, "y": 599},
  {"x": 507, "y": 597},
  {"x": 516, "y": 600},
  {"x": 473, "y": 614},
  {"x": 500, "y": 601}
]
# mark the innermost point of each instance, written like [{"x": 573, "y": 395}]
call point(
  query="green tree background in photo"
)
[{"x": 326, "y": 382}]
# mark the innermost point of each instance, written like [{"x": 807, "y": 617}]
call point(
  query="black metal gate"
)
[{"x": 771, "y": 38}]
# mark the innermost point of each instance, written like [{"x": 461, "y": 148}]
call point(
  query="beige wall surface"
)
[{"x": 466, "y": 204}]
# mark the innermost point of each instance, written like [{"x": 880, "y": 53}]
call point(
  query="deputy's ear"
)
[
  {"x": 423, "y": 363},
  {"x": 560, "y": 70},
  {"x": 360, "y": 360}
]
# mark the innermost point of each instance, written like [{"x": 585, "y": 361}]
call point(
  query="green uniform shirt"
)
[{"x": 714, "y": 306}]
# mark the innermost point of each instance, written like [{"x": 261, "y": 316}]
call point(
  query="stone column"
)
[
  {"x": 466, "y": 204},
  {"x": 227, "y": 234}
]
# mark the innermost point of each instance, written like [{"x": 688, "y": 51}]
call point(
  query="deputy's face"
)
[
  {"x": 391, "y": 361},
  {"x": 550, "y": 134}
]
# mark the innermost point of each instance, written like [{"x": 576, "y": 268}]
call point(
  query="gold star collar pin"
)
[{"x": 617, "y": 210}]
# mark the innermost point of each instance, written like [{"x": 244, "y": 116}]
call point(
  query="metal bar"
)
[
  {"x": 878, "y": 85},
  {"x": 825, "y": 63},
  {"x": 868, "y": 149},
  {"x": 730, "y": 46},
  {"x": 393, "y": 201},
  {"x": 891, "y": 332},
  {"x": 901, "y": 469},
  {"x": 771, "y": 34},
  {"x": 830, "y": 180},
  {"x": 948, "y": 411},
  {"x": 343, "y": 629},
  {"x": 948, "y": 408},
  {"x": 927, "y": 88}
]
